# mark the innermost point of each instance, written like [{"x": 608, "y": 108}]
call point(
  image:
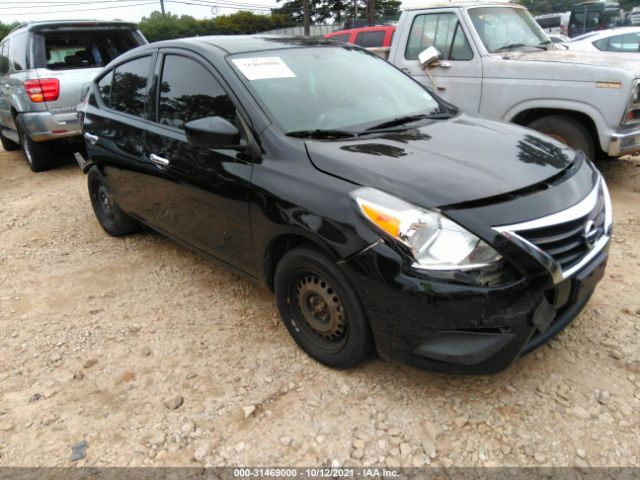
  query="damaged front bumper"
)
[{"x": 461, "y": 329}]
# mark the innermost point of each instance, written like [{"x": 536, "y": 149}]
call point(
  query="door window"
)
[
  {"x": 440, "y": 30},
  {"x": 620, "y": 43},
  {"x": 4, "y": 58},
  {"x": 371, "y": 39},
  {"x": 129, "y": 86},
  {"x": 188, "y": 91}
]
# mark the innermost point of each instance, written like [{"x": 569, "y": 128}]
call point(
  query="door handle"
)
[
  {"x": 406, "y": 70},
  {"x": 91, "y": 138},
  {"x": 443, "y": 64},
  {"x": 160, "y": 161}
]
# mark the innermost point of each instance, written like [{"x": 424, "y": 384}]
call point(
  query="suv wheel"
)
[
  {"x": 8, "y": 145},
  {"x": 113, "y": 220},
  {"x": 568, "y": 131},
  {"x": 38, "y": 156},
  {"x": 321, "y": 310}
]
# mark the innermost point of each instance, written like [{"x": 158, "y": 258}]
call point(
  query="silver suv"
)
[{"x": 43, "y": 67}]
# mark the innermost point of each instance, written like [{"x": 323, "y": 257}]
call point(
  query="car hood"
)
[
  {"x": 445, "y": 162},
  {"x": 626, "y": 61}
]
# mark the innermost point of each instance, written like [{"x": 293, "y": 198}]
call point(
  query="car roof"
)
[
  {"x": 53, "y": 24},
  {"x": 606, "y": 33},
  {"x": 464, "y": 4},
  {"x": 232, "y": 44}
]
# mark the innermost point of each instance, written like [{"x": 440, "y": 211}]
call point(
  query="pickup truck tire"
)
[
  {"x": 111, "y": 218},
  {"x": 568, "y": 131},
  {"x": 321, "y": 310},
  {"x": 7, "y": 144},
  {"x": 38, "y": 156}
]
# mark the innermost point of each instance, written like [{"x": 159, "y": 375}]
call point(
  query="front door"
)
[
  {"x": 202, "y": 194},
  {"x": 458, "y": 78}
]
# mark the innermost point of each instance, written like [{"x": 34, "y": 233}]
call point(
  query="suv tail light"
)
[{"x": 42, "y": 89}]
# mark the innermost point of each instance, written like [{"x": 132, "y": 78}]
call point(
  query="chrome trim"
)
[
  {"x": 450, "y": 268},
  {"x": 580, "y": 209}
]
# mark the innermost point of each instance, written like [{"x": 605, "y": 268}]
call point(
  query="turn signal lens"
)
[{"x": 386, "y": 222}]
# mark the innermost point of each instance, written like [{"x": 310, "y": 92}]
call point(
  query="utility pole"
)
[
  {"x": 305, "y": 17},
  {"x": 355, "y": 15},
  {"x": 371, "y": 13},
  {"x": 162, "y": 7}
]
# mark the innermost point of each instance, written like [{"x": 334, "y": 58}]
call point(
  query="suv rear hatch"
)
[{"x": 74, "y": 53}]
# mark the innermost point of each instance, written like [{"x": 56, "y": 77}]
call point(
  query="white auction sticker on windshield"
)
[{"x": 261, "y": 68}]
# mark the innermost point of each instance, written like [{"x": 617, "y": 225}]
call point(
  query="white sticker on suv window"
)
[{"x": 261, "y": 68}]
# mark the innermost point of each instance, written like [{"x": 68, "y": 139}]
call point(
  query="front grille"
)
[{"x": 566, "y": 242}]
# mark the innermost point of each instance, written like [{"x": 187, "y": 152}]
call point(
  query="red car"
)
[{"x": 377, "y": 36}]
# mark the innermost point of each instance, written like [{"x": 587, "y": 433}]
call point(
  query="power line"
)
[
  {"x": 133, "y": 3},
  {"x": 84, "y": 9},
  {"x": 66, "y": 3}
]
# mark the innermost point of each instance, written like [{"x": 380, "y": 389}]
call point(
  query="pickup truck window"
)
[
  {"x": 371, "y": 39},
  {"x": 440, "y": 30},
  {"x": 502, "y": 28}
]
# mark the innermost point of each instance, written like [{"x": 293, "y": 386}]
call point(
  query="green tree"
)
[
  {"x": 165, "y": 27},
  {"x": 245, "y": 22},
  {"x": 5, "y": 28},
  {"x": 339, "y": 10}
]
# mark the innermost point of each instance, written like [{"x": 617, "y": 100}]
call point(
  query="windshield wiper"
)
[
  {"x": 322, "y": 134},
  {"x": 513, "y": 46},
  {"x": 396, "y": 122}
]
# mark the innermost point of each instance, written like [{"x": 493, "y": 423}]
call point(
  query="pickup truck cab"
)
[{"x": 494, "y": 60}]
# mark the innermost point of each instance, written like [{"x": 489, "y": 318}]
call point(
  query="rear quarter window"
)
[
  {"x": 68, "y": 49},
  {"x": 104, "y": 87},
  {"x": 343, "y": 37},
  {"x": 20, "y": 52}
]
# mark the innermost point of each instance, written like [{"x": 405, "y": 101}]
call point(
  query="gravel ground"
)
[{"x": 137, "y": 352}]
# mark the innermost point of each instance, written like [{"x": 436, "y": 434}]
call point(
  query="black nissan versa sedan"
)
[{"x": 383, "y": 218}]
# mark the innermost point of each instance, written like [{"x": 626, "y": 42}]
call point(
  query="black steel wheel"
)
[
  {"x": 321, "y": 310},
  {"x": 112, "y": 219}
]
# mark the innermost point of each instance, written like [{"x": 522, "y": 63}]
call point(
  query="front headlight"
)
[
  {"x": 435, "y": 242},
  {"x": 632, "y": 113}
]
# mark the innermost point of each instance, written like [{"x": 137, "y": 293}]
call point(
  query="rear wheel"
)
[
  {"x": 7, "y": 144},
  {"x": 568, "y": 131},
  {"x": 113, "y": 220},
  {"x": 321, "y": 310},
  {"x": 38, "y": 156}
]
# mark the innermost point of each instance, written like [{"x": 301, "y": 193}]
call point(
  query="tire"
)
[
  {"x": 321, "y": 310},
  {"x": 8, "y": 145},
  {"x": 38, "y": 156},
  {"x": 568, "y": 131},
  {"x": 111, "y": 218}
]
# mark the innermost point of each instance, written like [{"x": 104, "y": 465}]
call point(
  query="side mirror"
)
[
  {"x": 212, "y": 132},
  {"x": 428, "y": 56}
]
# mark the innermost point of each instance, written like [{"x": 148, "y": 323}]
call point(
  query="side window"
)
[
  {"x": 188, "y": 92},
  {"x": 371, "y": 39},
  {"x": 343, "y": 37},
  {"x": 4, "y": 58},
  {"x": 440, "y": 30},
  {"x": 624, "y": 43},
  {"x": 104, "y": 87},
  {"x": 20, "y": 51},
  {"x": 602, "y": 44},
  {"x": 128, "y": 86}
]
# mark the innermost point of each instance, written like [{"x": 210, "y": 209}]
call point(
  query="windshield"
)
[
  {"x": 506, "y": 27},
  {"x": 330, "y": 88}
]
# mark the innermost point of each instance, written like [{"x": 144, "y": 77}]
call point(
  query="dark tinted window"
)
[
  {"x": 343, "y": 37},
  {"x": 4, "y": 58},
  {"x": 371, "y": 39},
  {"x": 88, "y": 49},
  {"x": 19, "y": 51},
  {"x": 128, "y": 86},
  {"x": 549, "y": 22},
  {"x": 104, "y": 87},
  {"x": 188, "y": 91}
]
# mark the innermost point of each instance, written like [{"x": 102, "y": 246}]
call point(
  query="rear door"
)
[
  {"x": 458, "y": 78},
  {"x": 203, "y": 194},
  {"x": 114, "y": 122}
]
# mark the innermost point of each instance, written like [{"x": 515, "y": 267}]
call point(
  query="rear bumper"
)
[
  {"x": 624, "y": 141},
  {"x": 43, "y": 126},
  {"x": 458, "y": 329}
]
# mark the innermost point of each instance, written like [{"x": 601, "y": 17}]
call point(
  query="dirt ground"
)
[{"x": 100, "y": 338}]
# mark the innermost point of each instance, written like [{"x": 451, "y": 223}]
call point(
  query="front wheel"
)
[
  {"x": 113, "y": 220},
  {"x": 568, "y": 131},
  {"x": 321, "y": 310}
]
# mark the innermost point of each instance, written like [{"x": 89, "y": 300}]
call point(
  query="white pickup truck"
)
[{"x": 494, "y": 60}]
